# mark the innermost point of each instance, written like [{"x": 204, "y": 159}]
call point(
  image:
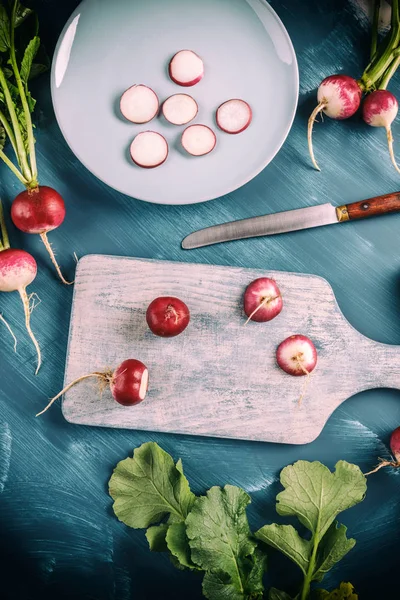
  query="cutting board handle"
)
[
  {"x": 383, "y": 370},
  {"x": 373, "y": 207}
]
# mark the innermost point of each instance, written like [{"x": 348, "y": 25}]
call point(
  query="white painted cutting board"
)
[{"x": 218, "y": 378}]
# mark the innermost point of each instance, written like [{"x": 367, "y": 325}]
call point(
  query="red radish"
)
[
  {"x": 395, "y": 448},
  {"x": 179, "y": 109},
  {"x": 297, "y": 355},
  {"x": 167, "y": 316},
  {"x": 262, "y": 300},
  {"x": 339, "y": 97},
  {"x": 17, "y": 270},
  {"x": 149, "y": 149},
  {"x": 198, "y": 140},
  {"x": 139, "y": 104},
  {"x": 186, "y": 68},
  {"x": 379, "y": 109},
  {"x": 128, "y": 383},
  {"x": 234, "y": 116},
  {"x": 39, "y": 211}
]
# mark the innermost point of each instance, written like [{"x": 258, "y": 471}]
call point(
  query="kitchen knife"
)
[{"x": 293, "y": 220}]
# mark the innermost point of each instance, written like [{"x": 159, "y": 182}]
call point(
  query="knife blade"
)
[{"x": 292, "y": 220}]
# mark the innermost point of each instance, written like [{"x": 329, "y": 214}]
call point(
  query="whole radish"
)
[
  {"x": 297, "y": 355},
  {"x": 339, "y": 97},
  {"x": 128, "y": 383},
  {"x": 17, "y": 270},
  {"x": 167, "y": 316},
  {"x": 39, "y": 211},
  {"x": 262, "y": 300},
  {"x": 395, "y": 449},
  {"x": 379, "y": 109}
]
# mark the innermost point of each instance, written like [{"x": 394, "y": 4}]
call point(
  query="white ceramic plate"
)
[{"x": 108, "y": 46}]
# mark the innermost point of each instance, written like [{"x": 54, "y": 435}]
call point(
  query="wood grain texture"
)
[
  {"x": 219, "y": 378},
  {"x": 373, "y": 207}
]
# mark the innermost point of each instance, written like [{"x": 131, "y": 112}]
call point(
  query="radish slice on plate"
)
[
  {"x": 198, "y": 140},
  {"x": 234, "y": 116},
  {"x": 139, "y": 104},
  {"x": 149, "y": 149},
  {"x": 186, "y": 68},
  {"x": 179, "y": 109}
]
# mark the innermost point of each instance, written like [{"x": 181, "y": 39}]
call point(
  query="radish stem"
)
[
  {"x": 106, "y": 377},
  {"x": 2, "y": 319},
  {"x": 9, "y": 132},
  {"x": 45, "y": 240},
  {"x": 375, "y": 26},
  {"x": 4, "y": 241},
  {"x": 390, "y": 71},
  {"x": 319, "y": 108},
  {"x": 21, "y": 89},
  {"x": 27, "y": 312},
  {"x": 17, "y": 132},
  {"x": 13, "y": 168}
]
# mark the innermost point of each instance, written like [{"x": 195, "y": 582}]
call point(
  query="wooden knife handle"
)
[{"x": 380, "y": 205}]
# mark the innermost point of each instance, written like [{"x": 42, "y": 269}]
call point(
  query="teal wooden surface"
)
[{"x": 58, "y": 537}]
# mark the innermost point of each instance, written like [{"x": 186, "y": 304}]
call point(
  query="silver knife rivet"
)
[{"x": 365, "y": 206}]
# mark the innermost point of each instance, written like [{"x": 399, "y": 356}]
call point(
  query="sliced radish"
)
[
  {"x": 234, "y": 116},
  {"x": 198, "y": 140},
  {"x": 139, "y": 104},
  {"x": 186, "y": 68},
  {"x": 179, "y": 109},
  {"x": 149, "y": 149}
]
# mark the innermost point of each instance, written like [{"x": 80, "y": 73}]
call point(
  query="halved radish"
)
[
  {"x": 149, "y": 149},
  {"x": 234, "y": 116},
  {"x": 139, "y": 104},
  {"x": 179, "y": 109},
  {"x": 198, "y": 140},
  {"x": 186, "y": 68}
]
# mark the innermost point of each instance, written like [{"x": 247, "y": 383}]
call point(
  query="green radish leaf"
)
[
  {"x": 4, "y": 30},
  {"x": 218, "y": 585},
  {"x": 316, "y": 496},
  {"x": 286, "y": 539},
  {"x": 219, "y": 533},
  {"x": 156, "y": 537},
  {"x": 178, "y": 544},
  {"x": 21, "y": 13},
  {"x": 26, "y": 64},
  {"x": 344, "y": 592},
  {"x": 149, "y": 487},
  {"x": 332, "y": 548}
]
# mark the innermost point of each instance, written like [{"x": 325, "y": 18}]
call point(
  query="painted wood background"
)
[
  {"x": 218, "y": 378},
  {"x": 58, "y": 538}
]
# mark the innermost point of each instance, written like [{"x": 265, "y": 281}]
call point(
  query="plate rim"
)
[{"x": 252, "y": 175}]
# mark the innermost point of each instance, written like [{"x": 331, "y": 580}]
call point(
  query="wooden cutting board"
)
[{"x": 218, "y": 378}]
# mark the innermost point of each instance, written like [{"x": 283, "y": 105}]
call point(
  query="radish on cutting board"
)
[
  {"x": 234, "y": 116},
  {"x": 180, "y": 109},
  {"x": 186, "y": 68},
  {"x": 262, "y": 300},
  {"x": 167, "y": 316},
  {"x": 198, "y": 140},
  {"x": 149, "y": 149},
  {"x": 139, "y": 104},
  {"x": 128, "y": 383},
  {"x": 297, "y": 355}
]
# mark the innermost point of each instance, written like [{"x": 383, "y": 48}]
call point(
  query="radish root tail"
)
[
  {"x": 383, "y": 463},
  {"x": 10, "y": 330},
  {"x": 27, "y": 312},
  {"x": 263, "y": 303},
  {"x": 105, "y": 378},
  {"x": 306, "y": 381},
  {"x": 391, "y": 151},
  {"x": 319, "y": 108},
  {"x": 49, "y": 249}
]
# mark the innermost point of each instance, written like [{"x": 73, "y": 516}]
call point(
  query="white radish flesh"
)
[
  {"x": 234, "y": 116},
  {"x": 139, "y": 104},
  {"x": 149, "y": 149},
  {"x": 179, "y": 109},
  {"x": 186, "y": 68},
  {"x": 198, "y": 140}
]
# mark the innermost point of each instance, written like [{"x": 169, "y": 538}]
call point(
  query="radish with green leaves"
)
[
  {"x": 38, "y": 209},
  {"x": 17, "y": 270}
]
